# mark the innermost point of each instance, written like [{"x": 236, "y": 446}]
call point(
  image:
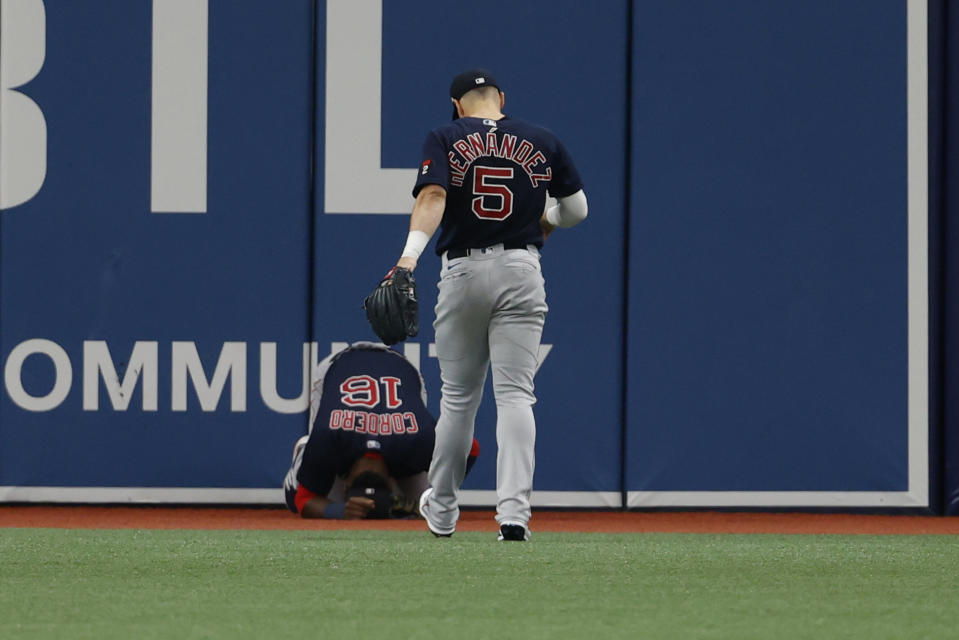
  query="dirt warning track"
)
[{"x": 148, "y": 517}]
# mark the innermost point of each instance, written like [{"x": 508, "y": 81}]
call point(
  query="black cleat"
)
[{"x": 513, "y": 532}]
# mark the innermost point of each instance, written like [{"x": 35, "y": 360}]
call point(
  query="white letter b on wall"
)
[{"x": 23, "y": 129}]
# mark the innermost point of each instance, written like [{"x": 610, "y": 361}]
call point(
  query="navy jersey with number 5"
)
[{"x": 497, "y": 174}]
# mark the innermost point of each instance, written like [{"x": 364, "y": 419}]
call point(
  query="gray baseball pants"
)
[{"x": 490, "y": 311}]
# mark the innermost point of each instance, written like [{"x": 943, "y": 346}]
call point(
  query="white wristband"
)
[{"x": 415, "y": 243}]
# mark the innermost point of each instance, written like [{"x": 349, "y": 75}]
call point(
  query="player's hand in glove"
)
[{"x": 392, "y": 309}]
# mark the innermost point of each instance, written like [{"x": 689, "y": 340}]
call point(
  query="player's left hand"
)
[
  {"x": 392, "y": 309},
  {"x": 545, "y": 226}
]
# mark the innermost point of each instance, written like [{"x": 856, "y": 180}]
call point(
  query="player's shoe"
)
[
  {"x": 289, "y": 482},
  {"x": 439, "y": 532},
  {"x": 299, "y": 446},
  {"x": 515, "y": 532}
]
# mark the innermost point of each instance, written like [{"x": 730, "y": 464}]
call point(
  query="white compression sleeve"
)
[
  {"x": 568, "y": 211},
  {"x": 416, "y": 241}
]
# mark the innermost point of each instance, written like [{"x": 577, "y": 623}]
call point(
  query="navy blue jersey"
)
[
  {"x": 371, "y": 402},
  {"x": 497, "y": 174}
]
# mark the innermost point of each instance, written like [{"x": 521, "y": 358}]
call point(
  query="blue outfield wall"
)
[
  {"x": 274, "y": 260},
  {"x": 217, "y": 201},
  {"x": 87, "y": 261},
  {"x": 769, "y": 302}
]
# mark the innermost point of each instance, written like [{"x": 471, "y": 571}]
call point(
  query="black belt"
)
[{"x": 453, "y": 254}]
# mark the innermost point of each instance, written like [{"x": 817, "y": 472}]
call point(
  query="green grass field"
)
[{"x": 351, "y": 584}]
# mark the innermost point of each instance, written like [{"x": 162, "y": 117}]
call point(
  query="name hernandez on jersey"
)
[
  {"x": 497, "y": 174},
  {"x": 475, "y": 145}
]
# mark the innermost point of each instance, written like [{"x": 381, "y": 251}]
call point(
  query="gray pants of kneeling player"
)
[{"x": 490, "y": 311}]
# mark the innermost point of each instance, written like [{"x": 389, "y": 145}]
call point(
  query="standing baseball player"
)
[
  {"x": 483, "y": 182},
  {"x": 370, "y": 441}
]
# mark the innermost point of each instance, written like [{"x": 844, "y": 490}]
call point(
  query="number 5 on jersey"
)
[{"x": 493, "y": 201}]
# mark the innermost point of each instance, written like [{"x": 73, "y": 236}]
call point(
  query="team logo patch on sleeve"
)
[{"x": 426, "y": 167}]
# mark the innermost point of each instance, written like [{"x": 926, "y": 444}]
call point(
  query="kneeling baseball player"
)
[{"x": 370, "y": 442}]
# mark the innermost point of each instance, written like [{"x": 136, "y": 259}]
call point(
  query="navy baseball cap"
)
[{"x": 469, "y": 80}]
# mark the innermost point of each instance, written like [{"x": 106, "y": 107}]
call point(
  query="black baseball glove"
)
[{"x": 392, "y": 308}]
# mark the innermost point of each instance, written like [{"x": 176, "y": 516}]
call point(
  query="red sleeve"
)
[
  {"x": 303, "y": 495},
  {"x": 474, "y": 454}
]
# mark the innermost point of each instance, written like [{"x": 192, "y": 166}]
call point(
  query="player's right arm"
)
[
  {"x": 424, "y": 221},
  {"x": 430, "y": 194}
]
